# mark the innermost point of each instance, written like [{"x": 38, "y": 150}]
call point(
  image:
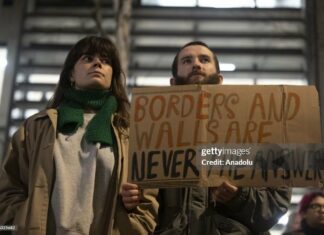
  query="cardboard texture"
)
[{"x": 171, "y": 125}]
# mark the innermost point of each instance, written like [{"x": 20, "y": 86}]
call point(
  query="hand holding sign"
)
[
  {"x": 224, "y": 193},
  {"x": 130, "y": 195}
]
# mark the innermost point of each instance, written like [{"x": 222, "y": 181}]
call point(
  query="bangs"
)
[
  {"x": 103, "y": 47},
  {"x": 91, "y": 45}
]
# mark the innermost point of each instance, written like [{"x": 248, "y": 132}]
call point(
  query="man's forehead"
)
[{"x": 195, "y": 50}]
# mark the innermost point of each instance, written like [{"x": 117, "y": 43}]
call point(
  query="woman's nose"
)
[{"x": 97, "y": 61}]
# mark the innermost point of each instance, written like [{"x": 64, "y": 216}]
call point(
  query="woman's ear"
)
[
  {"x": 72, "y": 80},
  {"x": 72, "y": 76}
]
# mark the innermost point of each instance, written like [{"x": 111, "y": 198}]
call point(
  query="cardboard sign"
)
[{"x": 170, "y": 127}]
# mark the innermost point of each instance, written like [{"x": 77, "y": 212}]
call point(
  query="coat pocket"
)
[
  {"x": 21, "y": 218},
  {"x": 213, "y": 223}
]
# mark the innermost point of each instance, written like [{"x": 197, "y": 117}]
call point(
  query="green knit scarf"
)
[{"x": 71, "y": 111}]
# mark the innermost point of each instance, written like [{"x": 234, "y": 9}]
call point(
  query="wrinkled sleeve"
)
[
  {"x": 143, "y": 218},
  {"x": 259, "y": 208},
  {"x": 13, "y": 179}
]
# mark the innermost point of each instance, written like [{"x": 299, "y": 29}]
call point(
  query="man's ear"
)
[
  {"x": 172, "y": 81},
  {"x": 220, "y": 79}
]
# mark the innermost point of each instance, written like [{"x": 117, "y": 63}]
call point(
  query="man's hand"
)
[
  {"x": 130, "y": 195},
  {"x": 223, "y": 193}
]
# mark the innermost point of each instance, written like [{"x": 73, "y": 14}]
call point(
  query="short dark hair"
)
[
  {"x": 104, "y": 47},
  {"x": 193, "y": 43},
  {"x": 307, "y": 199}
]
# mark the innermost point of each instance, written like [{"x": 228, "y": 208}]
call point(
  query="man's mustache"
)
[
  {"x": 194, "y": 73},
  {"x": 211, "y": 79}
]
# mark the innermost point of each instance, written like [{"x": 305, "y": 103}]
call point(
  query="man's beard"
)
[{"x": 211, "y": 79}]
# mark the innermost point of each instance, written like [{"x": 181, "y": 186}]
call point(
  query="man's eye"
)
[
  {"x": 205, "y": 60},
  {"x": 186, "y": 61}
]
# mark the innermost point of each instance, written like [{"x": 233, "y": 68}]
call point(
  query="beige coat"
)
[{"x": 27, "y": 177}]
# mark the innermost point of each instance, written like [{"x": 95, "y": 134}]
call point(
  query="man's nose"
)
[{"x": 196, "y": 64}]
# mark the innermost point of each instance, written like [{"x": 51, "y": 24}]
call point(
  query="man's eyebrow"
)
[
  {"x": 205, "y": 55},
  {"x": 186, "y": 57}
]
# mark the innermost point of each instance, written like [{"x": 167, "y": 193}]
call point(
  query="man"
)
[
  {"x": 312, "y": 213},
  {"x": 226, "y": 209}
]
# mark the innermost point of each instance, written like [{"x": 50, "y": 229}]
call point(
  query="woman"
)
[
  {"x": 311, "y": 211},
  {"x": 67, "y": 164}
]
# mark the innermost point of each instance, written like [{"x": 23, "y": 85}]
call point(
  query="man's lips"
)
[
  {"x": 197, "y": 74},
  {"x": 196, "y": 77}
]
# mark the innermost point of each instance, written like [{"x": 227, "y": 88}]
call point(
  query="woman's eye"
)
[
  {"x": 105, "y": 61},
  {"x": 87, "y": 58}
]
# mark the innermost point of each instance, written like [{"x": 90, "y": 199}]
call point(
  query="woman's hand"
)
[{"x": 130, "y": 195}]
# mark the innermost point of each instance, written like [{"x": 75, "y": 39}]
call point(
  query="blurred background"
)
[{"x": 257, "y": 42}]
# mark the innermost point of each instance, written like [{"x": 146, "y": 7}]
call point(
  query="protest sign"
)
[{"x": 170, "y": 126}]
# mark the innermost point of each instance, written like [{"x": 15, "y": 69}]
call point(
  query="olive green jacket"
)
[{"x": 189, "y": 211}]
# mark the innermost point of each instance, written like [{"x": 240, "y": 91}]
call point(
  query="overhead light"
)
[
  {"x": 227, "y": 4},
  {"x": 44, "y": 78},
  {"x": 284, "y": 219},
  {"x": 3, "y": 62},
  {"x": 238, "y": 81},
  {"x": 182, "y": 3},
  {"x": 30, "y": 112},
  {"x": 296, "y": 198},
  {"x": 49, "y": 94},
  {"x": 12, "y": 130},
  {"x": 16, "y": 113},
  {"x": 269, "y": 81},
  {"x": 3, "y": 58},
  {"x": 18, "y": 95},
  {"x": 227, "y": 67},
  {"x": 276, "y": 3},
  {"x": 152, "y": 81},
  {"x": 34, "y": 95}
]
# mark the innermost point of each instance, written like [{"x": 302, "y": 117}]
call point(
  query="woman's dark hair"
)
[
  {"x": 93, "y": 45},
  {"x": 307, "y": 200},
  {"x": 193, "y": 43}
]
